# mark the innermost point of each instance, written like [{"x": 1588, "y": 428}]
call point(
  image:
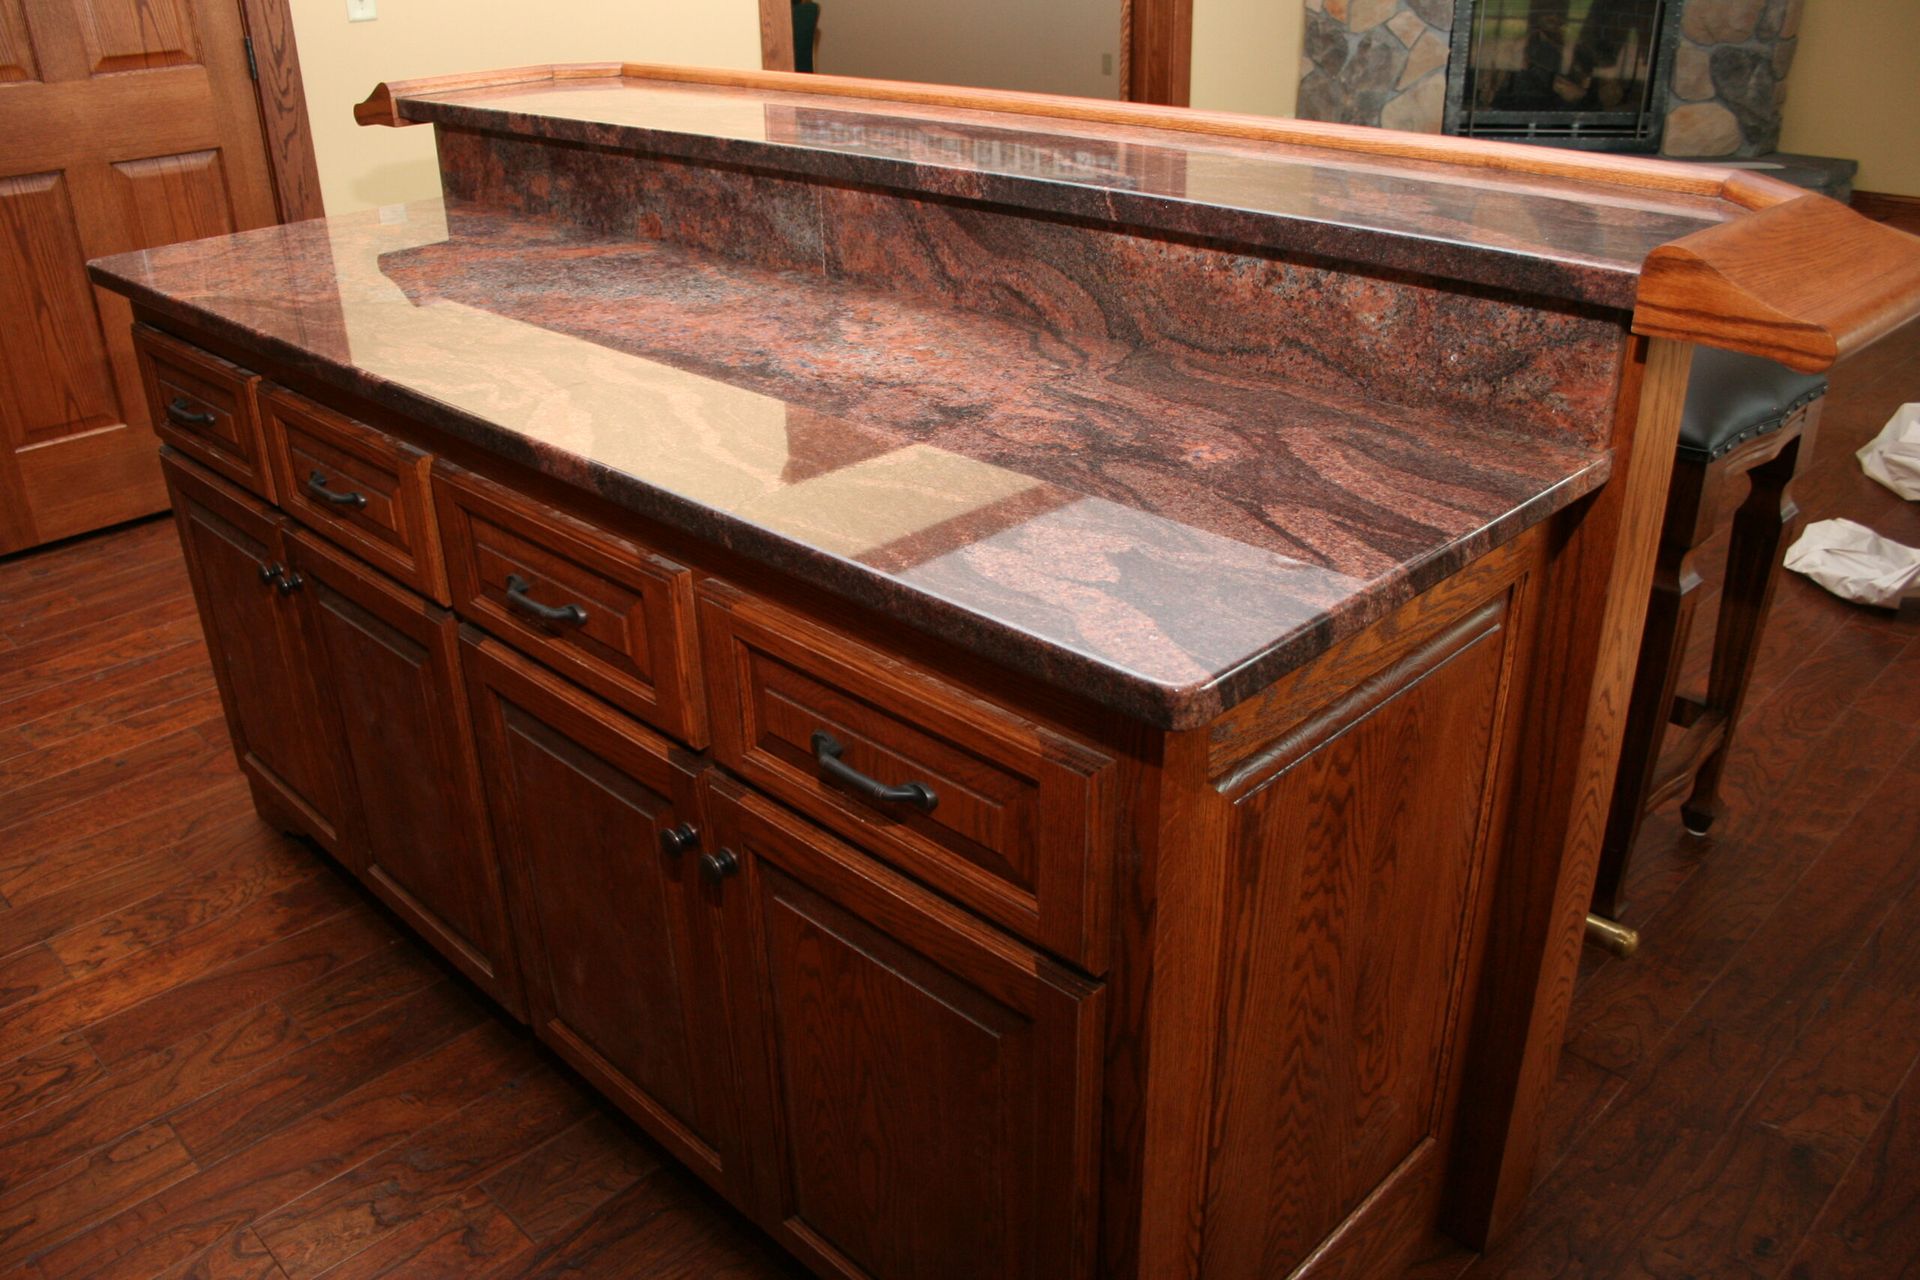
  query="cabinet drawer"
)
[
  {"x": 1003, "y": 814},
  {"x": 204, "y": 407},
  {"x": 606, "y": 612},
  {"x": 360, "y": 487}
]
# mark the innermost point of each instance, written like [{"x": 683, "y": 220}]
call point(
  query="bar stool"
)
[{"x": 1743, "y": 416}]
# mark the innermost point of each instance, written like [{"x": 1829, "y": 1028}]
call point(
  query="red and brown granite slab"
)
[
  {"x": 1563, "y": 238},
  {"x": 1156, "y": 527}
]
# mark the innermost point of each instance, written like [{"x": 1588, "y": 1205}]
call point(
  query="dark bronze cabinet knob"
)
[
  {"x": 684, "y": 838},
  {"x": 272, "y": 573},
  {"x": 718, "y": 865},
  {"x": 289, "y": 583}
]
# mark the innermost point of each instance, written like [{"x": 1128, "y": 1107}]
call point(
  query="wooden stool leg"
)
[
  {"x": 1663, "y": 640},
  {"x": 1762, "y": 527}
]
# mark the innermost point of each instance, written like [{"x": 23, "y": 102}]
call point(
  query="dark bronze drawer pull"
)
[
  {"x": 317, "y": 486},
  {"x": 180, "y": 410},
  {"x": 517, "y": 587},
  {"x": 718, "y": 865},
  {"x": 826, "y": 754}
]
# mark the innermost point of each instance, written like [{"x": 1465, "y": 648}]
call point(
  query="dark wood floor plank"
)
[
  {"x": 1651, "y": 1148},
  {"x": 153, "y": 1234},
  {"x": 1742, "y": 876},
  {"x": 111, "y": 588},
  {"x": 83, "y": 785},
  {"x": 1871, "y": 1223},
  {"x": 84, "y": 1191},
  {"x": 196, "y": 707},
  {"x": 182, "y": 959},
  {"x": 151, "y": 1087},
  {"x": 142, "y": 874},
  {"x": 559, "y": 1184},
  {"x": 331, "y": 1223},
  {"x": 255, "y": 1106},
  {"x": 28, "y": 576},
  {"x": 233, "y": 867},
  {"x": 75, "y": 843},
  {"x": 663, "y": 1226},
  {"x": 366, "y": 987},
  {"x": 44, "y": 1075},
  {"x": 467, "y": 1237},
  {"x": 240, "y": 1256},
  {"x": 29, "y": 972},
  {"x": 43, "y": 667},
  {"x": 264, "y": 974},
  {"x": 165, "y": 677}
]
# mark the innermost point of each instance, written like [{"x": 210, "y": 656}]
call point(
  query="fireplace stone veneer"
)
[{"x": 1386, "y": 63}]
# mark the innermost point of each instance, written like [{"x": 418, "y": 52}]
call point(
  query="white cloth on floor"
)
[
  {"x": 1855, "y": 563},
  {"x": 1893, "y": 456}
]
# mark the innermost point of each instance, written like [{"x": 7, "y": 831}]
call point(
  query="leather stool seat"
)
[{"x": 1731, "y": 398}]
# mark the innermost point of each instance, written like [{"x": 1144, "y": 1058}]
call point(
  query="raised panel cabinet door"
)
[
  {"x": 124, "y": 124},
  {"x": 616, "y": 943},
  {"x": 286, "y": 738},
  {"x": 926, "y": 1090},
  {"x": 391, "y": 663}
]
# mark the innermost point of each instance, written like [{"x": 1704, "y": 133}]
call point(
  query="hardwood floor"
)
[{"x": 219, "y": 1059}]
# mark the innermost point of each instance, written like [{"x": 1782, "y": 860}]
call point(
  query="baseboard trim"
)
[{"x": 1900, "y": 211}]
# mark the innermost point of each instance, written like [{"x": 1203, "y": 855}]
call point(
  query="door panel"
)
[
  {"x": 287, "y": 739},
  {"x": 124, "y": 124},
  {"x": 391, "y": 663},
  {"x": 616, "y": 940},
  {"x": 178, "y": 197},
  {"x": 927, "y": 1088}
]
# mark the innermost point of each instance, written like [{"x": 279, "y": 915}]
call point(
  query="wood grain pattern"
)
[
  {"x": 393, "y": 527},
  {"x": 126, "y": 124},
  {"x": 282, "y": 95},
  {"x": 1804, "y": 283}
]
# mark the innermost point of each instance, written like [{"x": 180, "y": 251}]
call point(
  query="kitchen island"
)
[{"x": 1028, "y": 685}]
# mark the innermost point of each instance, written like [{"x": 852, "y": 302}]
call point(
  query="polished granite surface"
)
[
  {"x": 1574, "y": 239},
  {"x": 1160, "y": 537}
]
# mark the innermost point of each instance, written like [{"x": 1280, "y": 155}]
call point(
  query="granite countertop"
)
[
  {"x": 1574, "y": 239},
  {"x": 1161, "y": 538}
]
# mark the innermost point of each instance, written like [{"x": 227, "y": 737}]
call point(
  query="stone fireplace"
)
[{"x": 1710, "y": 74}]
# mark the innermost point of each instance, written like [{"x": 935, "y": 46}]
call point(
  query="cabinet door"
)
[
  {"x": 616, "y": 943},
  {"x": 926, "y": 1089},
  {"x": 391, "y": 663},
  {"x": 287, "y": 739}
]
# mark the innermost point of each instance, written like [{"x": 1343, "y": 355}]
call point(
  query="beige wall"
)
[
  {"x": 1246, "y": 55},
  {"x": 1050, "y": 46},
  {"x": 1855, "y": 90},
  {"x": 342, "y": 61}
]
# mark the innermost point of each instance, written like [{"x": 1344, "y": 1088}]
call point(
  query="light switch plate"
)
[{"x": 361, "y": 11}]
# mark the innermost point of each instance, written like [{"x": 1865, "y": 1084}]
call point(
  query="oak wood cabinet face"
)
[
  {"x": 924, "y": 1089},
  {"x": 286, "y": 737},
  {"x": 616, "y": 942},
  {"x": 391, "y": 664}
]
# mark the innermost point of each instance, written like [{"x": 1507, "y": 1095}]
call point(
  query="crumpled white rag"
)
[
  {"x": 1855, "y": 563},
  {"x": 1893, "y": 456}
]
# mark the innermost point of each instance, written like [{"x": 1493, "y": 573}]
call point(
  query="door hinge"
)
[{"x": 253, "y": 68}]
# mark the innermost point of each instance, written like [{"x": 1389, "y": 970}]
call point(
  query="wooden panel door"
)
[
  {"x": 124, "y": 124},
  {"x": 616, "y": 942},
  {"x": 925, "y": 1089},
  {"x": 287, "y": 738},
  {"x": 390, "y": 662}
]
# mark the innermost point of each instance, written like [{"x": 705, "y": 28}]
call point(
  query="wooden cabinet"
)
[
  {"x": 923, "y": 1091},
  {"x": 615, "y": 934},
  {"x": 390, "y": 662},
  {"x": 286, "y": 736}
]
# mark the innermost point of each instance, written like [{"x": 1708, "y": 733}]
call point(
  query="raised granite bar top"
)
[
  {"x": 1579, "y": 240},
  {"x": 1160, "y": 536}
]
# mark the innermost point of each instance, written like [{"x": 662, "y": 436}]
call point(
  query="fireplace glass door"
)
[{"x": 1580, "y": 73}]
